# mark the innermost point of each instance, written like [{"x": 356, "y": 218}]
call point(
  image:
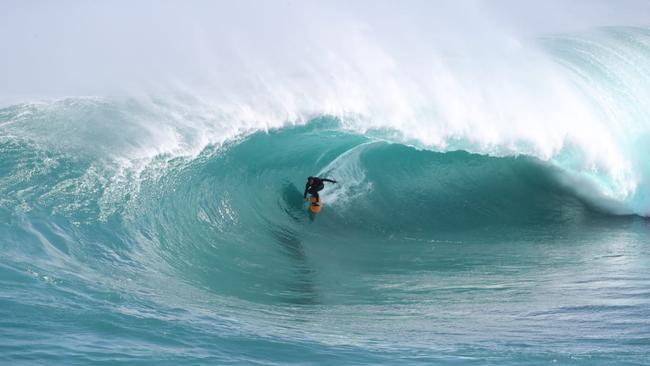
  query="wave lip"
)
[{"x": 576, "y": 100}]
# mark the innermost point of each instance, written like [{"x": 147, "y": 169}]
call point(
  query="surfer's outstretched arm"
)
[{"x": 329, "y": 180}]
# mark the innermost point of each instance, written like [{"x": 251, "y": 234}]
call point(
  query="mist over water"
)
[
  {"x": 464, "y": 76},
  {"x": 492, "y": 167}
]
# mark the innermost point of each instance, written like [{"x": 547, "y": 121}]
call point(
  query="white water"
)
[{"x": 472, "y": 75}]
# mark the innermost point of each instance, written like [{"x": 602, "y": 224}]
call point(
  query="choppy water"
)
[{"x": 417, "y": 255}]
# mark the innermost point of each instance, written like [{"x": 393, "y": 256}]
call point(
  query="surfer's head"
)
[{"x": 310, "y": 179}]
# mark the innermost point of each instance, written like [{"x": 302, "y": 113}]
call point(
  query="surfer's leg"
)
[
  {"x": 319, "y": 188},
  {"x": 314, "y": 193}
]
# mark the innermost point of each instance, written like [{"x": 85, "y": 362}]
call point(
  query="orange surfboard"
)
[{"x": 315, "y": 205}]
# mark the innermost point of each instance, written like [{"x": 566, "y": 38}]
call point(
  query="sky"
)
[{"x": 63, "y": 48}]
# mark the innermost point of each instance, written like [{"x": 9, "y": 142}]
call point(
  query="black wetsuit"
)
[{"x": 317, "y": 185}]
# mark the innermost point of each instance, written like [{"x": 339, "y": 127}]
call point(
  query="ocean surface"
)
[{"x": 479, "y": 226}]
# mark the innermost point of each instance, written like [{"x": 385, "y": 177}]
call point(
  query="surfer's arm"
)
[
  {"x": 304, "y": 195},
  {"x": 328, "y": 180}
]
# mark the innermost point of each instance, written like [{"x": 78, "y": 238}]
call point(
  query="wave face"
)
[
  {"x": 491, "y": 207},
  {"x": 212, "y": 257}
]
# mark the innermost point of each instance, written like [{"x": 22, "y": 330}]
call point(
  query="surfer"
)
[{"x": 315, "y": 184}]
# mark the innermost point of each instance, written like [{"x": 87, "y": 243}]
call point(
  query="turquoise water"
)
[
  {"x": 143, "y": 232},
  {"x": 434, "y": 258}
]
